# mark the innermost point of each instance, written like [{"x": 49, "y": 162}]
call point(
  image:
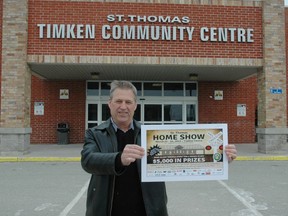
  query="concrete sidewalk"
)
[{"x": 71, "y": 153}]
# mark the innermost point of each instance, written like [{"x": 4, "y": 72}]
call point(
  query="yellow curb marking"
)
[
  {"x": 8, "y": 159},
  {"x": 77, "y": 159},
  {"x": 39, "y": 159},
  {"x": 262, "y": 158}
]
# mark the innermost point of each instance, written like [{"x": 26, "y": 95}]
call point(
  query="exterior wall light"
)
[
  {"x": 95, "y": 75},
  {"x": 193, "y": 77}
]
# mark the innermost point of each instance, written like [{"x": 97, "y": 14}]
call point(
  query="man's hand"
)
[
  {"x": 231, "y": 152},
  {"x": 130, "y": 153}
]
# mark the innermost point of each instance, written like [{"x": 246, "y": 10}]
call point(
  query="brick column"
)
[
  {"x": 16, "y": 79},
  {"x": 272, "y": 111}
]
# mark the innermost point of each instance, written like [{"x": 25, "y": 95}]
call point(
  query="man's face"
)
[{"x": 122, "y": 107}]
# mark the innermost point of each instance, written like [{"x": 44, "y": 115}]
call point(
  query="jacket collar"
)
[
  {"x": 108, "y": 124},
  {"x": 116, "y": 127}
]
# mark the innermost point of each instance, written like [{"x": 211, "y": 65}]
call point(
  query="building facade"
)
[{"x": 198, "y": 61}]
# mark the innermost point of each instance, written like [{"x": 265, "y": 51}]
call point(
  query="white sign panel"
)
[
  {"x": 184, "y": 152},
  {"x": 241, "y": 109},
  {"x": 64, "y": 94},
  {"x": 218, "y": 95},
  {"x": 38, "y": 108}
]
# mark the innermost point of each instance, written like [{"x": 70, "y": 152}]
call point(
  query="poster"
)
[
  {"x": 241, "y": 109},
  {"x": 218, "y": 95},
  {"x": 184, "y": 152},
  {"x": 38, "y": 108},
  {"x": 64, "y": 94}
]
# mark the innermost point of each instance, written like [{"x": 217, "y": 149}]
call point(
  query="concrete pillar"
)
[
  {"x": 16, "y": 79},
  {"x": 272, "y": 106}
]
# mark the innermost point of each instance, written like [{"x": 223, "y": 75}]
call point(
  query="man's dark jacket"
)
[{"x": 98, "y": 158}]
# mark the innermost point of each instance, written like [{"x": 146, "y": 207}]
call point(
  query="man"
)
[{"x": 112, "y": 153}]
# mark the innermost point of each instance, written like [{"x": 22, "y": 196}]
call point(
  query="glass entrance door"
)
[
  {"x": 158, "y": 102},
  {"x": 147, "y": 112},
  {"x": 176, "y": 112}
]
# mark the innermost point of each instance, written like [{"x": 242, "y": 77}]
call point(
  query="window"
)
[
  {"x": 152, "y": 112},
  {"x": 92, "y": 115},
  {"x": 92, "y": 89},
  {"x": 158, "y": 102},
  {"x": 173, "y": 112},
  {"x": 105, "y": 112},
  {"x": 190, "y": 112},
  {"x": 173, "y": 89},
  {"x": 138, "y": 86},
  {"x": 92, "y": 112},
  {"x": 105, "y": 88},
  {"x": 191, "y": 89},
  {"x": 153, "y": 89}
]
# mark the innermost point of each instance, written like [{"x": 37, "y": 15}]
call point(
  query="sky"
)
[{"x": 286, "y": 2}]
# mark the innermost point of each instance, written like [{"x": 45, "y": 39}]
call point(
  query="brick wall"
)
[
  {"x": 71, "y": 111},
  {"x": 286, "y": 42},
  {"x": 15, "y": 77},
  {"x": 1, "y": 22},
  {"x": 57, "y": 12},
  {"x": 241, "y": 129}
]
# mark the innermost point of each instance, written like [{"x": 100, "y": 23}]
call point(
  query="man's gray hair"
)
[{"x": 122, "y": 84}]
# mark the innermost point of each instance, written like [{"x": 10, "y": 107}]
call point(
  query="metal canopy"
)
[{"x": 138, "y": 72}]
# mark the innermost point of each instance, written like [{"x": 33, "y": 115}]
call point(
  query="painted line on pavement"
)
[
  {"x": 68, "y": 208},
  {"x": 246, "y": 202}
]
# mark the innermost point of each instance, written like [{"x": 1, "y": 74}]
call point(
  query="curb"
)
[
  {"x": 262, "y": 158},
  {"x": 77, "y": 159}
]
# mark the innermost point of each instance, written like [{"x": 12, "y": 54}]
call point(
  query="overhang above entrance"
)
[{"x": 140, "y": 72}]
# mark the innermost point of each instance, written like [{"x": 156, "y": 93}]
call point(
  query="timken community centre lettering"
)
[{"x": 145, "y": 29}]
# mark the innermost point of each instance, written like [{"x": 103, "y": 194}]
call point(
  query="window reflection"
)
[
  {"x": 105, "y": 88},
  {"x": 173, "y": 112},
  {"x": 92, "y": 89},
  {"x": 190, "y": 112},
  {"x": 138, "y": 87},
  {"x": 149, "y": 89},
  {"x": 152, "y": 89},
  {"x": 90, "y": 125},
  {"x": 137, "y": 114},
  {"x": 105, "y": 112},
  {"x": 152, "y": 112},
  {"x": 173, "y": 89},
  {"x": 191, "y": 89},
  {"x": 92, "y": 112},
  {"x": 160, "y": 113}
]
